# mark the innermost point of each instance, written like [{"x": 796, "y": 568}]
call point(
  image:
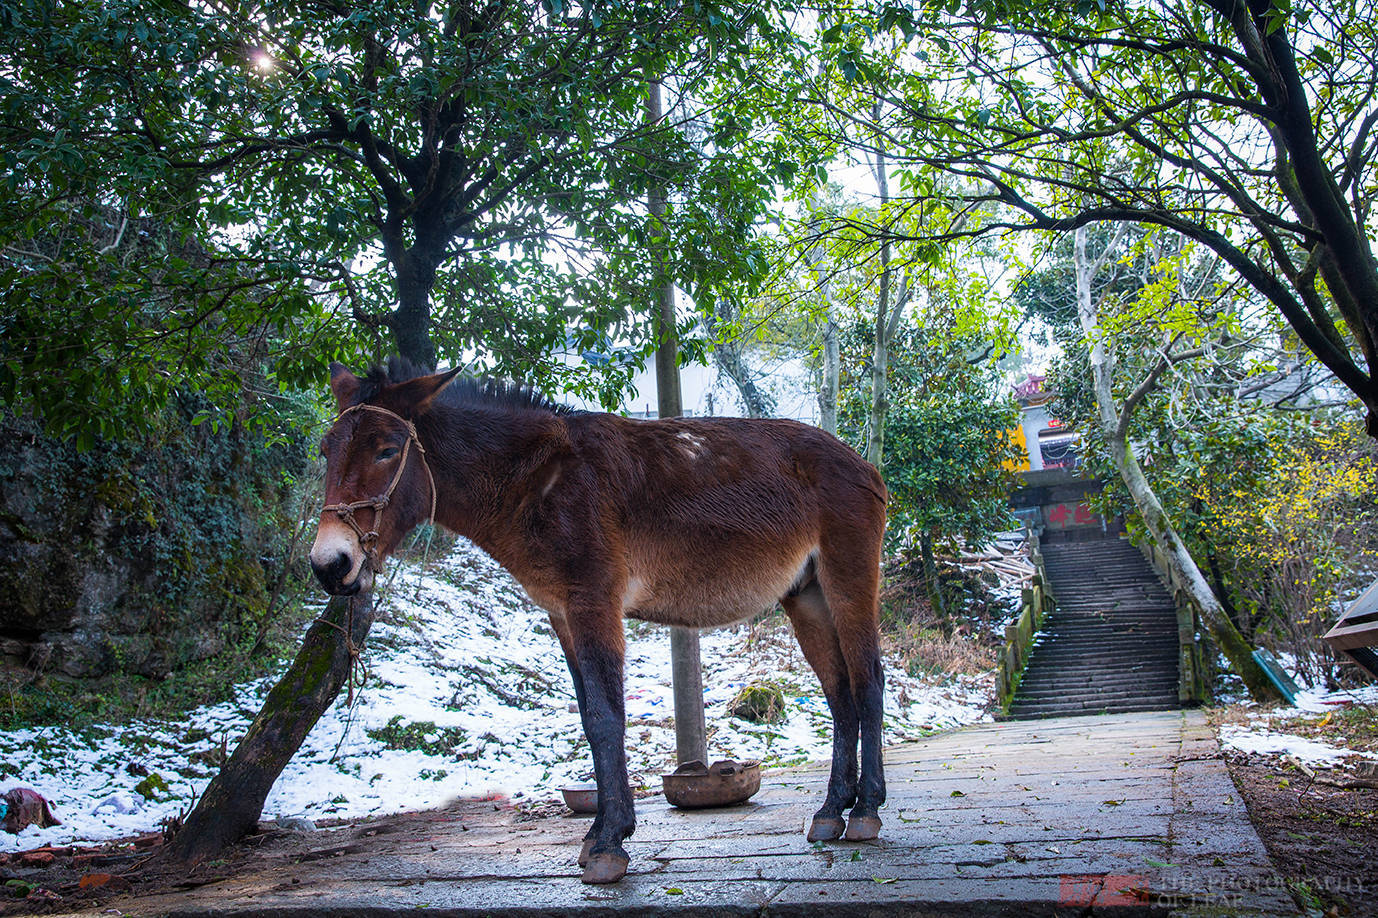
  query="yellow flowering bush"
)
[{"x": 1297, "y": 536}]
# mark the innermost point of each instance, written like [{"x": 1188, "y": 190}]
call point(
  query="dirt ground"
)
[
  {"x": 1320, "y": 824},
  {"x": 76, "y": 878}
]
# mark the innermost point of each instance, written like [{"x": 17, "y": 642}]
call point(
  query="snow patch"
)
[{"x": 1262, "y": 741}]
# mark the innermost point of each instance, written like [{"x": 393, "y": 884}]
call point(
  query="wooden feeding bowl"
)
[{"x": 693, "y": 786}]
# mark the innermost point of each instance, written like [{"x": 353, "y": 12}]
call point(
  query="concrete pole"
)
[{"x": 686, "y": 673}]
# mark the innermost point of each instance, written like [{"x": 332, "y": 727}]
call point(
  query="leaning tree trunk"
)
[
  {"x": 231, "y": 805},
  {"x": 731, "y": 360},
  {"x": 1227, "y": 637}
]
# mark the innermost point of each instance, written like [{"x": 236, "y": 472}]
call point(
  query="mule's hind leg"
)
[
  {"x": 596, "y": 636},
  {"x": 813, "y": 627},
  {"x": 561, "y": 628},
  {"x": 851, "y": 585}
]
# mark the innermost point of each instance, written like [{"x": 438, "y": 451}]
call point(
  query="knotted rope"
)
[{"x": 368, "y": 541}]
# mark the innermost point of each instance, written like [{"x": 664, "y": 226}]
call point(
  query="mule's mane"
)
[{"x": 465, "y": 391}]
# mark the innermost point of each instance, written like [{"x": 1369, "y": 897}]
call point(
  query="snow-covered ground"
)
[
  {"x": 466, "y": 694},
  {"x": 1266, "y": 733}
]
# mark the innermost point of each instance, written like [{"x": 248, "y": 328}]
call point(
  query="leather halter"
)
[{"x": 368, "y": 541}]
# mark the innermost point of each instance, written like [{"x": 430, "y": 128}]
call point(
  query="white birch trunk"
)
[{"x": 1227, "y": 637}]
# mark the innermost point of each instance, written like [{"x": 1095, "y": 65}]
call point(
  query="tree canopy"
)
[
  {"x": 1245, "y": 126},
  {"x": 349, "y": 179}
]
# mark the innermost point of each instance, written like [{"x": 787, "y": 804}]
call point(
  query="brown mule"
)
[{"x": 691, "y": 522}]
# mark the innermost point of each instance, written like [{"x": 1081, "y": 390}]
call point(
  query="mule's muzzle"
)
[{"x": 332, "y": 575}]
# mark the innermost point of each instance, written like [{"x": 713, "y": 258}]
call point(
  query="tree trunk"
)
[
  {"x": 832, "y": 373},
  {"x": 1227, "y": 637},
  {"x": 686, "y": 670},
  {"x": 930, "y": 576},
  {"x": 732, "y": 362},
  {"x": 880, "y": 357},
  {"x": 410, "y": 322},
  {"x": 231, "y": 805}
]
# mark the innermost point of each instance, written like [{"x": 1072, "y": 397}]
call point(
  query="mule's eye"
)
[{"x": 386, "y": 454}]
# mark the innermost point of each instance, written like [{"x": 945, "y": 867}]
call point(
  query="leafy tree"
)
[
  {"x": 946, "y": 432},
  {"x": 1232, "y": 434},
  {"x": 1296, "y": 533},
  {"x": 1111, "y": 420},
  {"x": 463, "y": 176},
  {"x": 1244, "y": 125}
]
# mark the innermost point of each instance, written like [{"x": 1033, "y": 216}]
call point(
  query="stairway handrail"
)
[{"x": 1034, "y": 601}]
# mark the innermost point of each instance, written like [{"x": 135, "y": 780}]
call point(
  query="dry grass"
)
[
  {"x": 926, "y": 650},
  {"x": 959, "y": 641}
]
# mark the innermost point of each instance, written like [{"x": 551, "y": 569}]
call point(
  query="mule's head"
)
[{"x": 378, "y": 486}]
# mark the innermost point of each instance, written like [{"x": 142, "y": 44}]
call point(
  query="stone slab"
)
[{"x": 1130, "y": 814}]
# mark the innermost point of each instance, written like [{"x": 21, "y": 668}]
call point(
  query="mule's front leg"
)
[{"x": 599, "y": 656}]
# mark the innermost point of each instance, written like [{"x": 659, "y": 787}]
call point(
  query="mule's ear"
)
[
  {"x": 420, "y": 392},
  {"x": 344, "y": 385}
]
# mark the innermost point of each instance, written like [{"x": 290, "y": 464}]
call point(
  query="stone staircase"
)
[{"x": 1110, "y": 644}]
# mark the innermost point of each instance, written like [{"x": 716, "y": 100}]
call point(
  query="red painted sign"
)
[{"x": 1069, "y": 516}]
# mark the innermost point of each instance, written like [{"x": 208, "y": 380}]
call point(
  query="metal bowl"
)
[
  {"x": 726, "y": 783},
  {"x": 581, "y": 798}
]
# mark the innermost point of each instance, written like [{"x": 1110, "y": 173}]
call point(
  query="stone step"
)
[
  {"x": 1093, "y": 674},
  {"x": 1090, "y": 588},
  {"x": 1039, "y": 713},
  {"x": 1090, "y": 610},
  {"x": 1105, "y": 569},
  {"x": 1128, "y": 608},
  {"x": 1164, "y": 692},
  {"x": 1107, "y": 622},
  {"x": 1092, "y": 626},
  {"x": 1107, "y": 625},
  {"x": 1098, "y": 625},
  {"x": 1097, "y": 705},
  {"x": 1096, "y": 643},
  {"x": 1109, "y": 643},
  {"x": 1120, "y": 640},
  {"x": 1077, "y": 662},
  {"x": 1093, "y": 698},
  {"x": 1154, "y": 684},
  {"x": 1142, "y": 596},
  {"x": 1086, "y": 679}
]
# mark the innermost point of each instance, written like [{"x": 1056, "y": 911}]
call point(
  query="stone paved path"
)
[{"x": 1130, "y": 814}]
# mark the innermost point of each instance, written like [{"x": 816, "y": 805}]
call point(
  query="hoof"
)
[
  {"x": 863, "y": 828},
  {"x": 585, "y": 851},
  {"x": 825, "y": 828},
  {"x": 605, "y": 867}
]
